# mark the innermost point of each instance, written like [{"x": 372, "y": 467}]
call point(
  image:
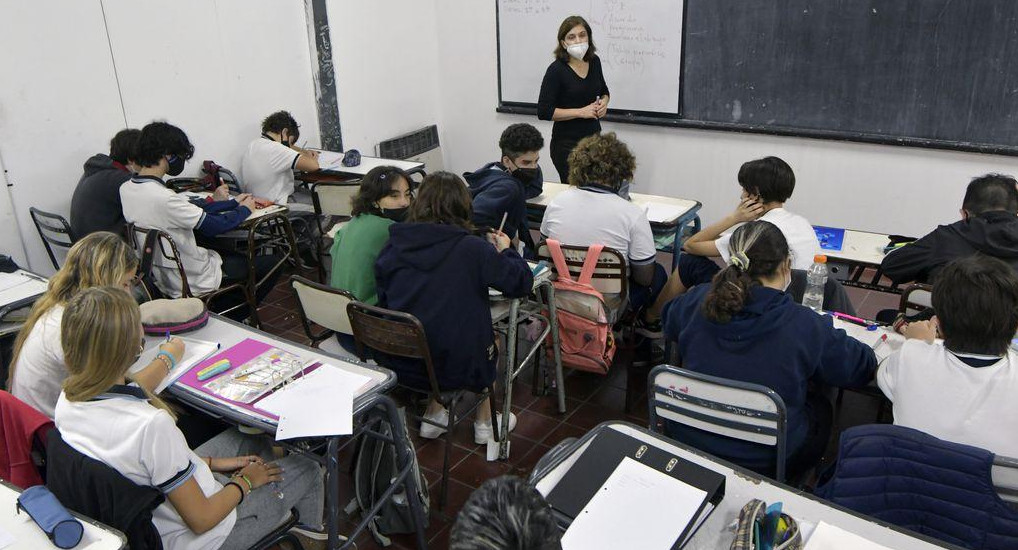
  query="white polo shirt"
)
[
  {"x": 582, "y": 217},
  {"x": 150, "y": 204},
  {"x": 802, "y": 239},
  {"x": 934, "y": 391},
  {"x": 40, "y": 371},
  {"x": 121, "y": 429},
  {"x": 267, "y": 170}
]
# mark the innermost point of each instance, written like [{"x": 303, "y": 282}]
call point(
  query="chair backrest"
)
[
  {"x": 54, "y": 231},
  {"x": 1005, "y": 479},
  {"x": 729, "y": 408},
  {"x": 150, "y": 247},
  {"x": 916, "y": 298},
  {"x": 322, "y": 305},
  {"x": 390, "y": 332},
  {"x": 334, "y": 199},
  {"x": 610, "y": 275}
]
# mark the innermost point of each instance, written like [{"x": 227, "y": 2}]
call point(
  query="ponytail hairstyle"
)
[
  {"x": 101, "y": 336},
  {"x": 757, "y": 250}
]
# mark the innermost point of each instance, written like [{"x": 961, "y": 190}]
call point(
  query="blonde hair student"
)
[
  {"x": 38, "y": 368},
  {"x": 122, "y": 425}
]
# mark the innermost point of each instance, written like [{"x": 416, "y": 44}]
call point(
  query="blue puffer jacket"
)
[{"x": 916, "y": 481}]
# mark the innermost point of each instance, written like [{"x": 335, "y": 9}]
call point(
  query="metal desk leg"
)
[
  {"x": 556, "y": 349},
  {"x": 510, "y": 370},
  {"x": 332, "y": 492}
]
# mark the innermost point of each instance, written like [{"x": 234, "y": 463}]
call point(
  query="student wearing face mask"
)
[
  {"x": 382, "y": 200},
  {"x": 573, "y": 92},
  {"x": 502, "y": 188},
  {"x": 743, "y": 326},
  {"x": 163, "y": 149}
]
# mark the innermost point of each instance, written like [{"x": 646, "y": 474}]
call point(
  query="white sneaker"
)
[
  {"x": 483, "y": 431},
  {"x": 429, "y": 431}
]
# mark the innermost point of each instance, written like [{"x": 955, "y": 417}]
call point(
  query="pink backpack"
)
[{"x": 584, "y": 331}]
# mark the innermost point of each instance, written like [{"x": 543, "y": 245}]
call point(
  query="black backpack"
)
[{"x": 375, "y": 468}]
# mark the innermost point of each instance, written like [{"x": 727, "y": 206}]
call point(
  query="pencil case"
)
[
  {"x": 63, "y": 529},
  {"x": 174, "y": 316}
]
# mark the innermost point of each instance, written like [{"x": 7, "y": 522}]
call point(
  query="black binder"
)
[{"x": 603, "y": 455}]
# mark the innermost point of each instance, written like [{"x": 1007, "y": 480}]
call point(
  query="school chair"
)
[
  {"x": 916, "y": 298},
  {"x": 1004, "y": 474},
  {"x": 401, "y": 335},
  {"x": 333, "y": 199},
  {"x": 324, "y": 306},
  {"x": 914, "y": 480},
  {"x": 54, "y": 231},
  {"x": 726, "y": 408},
  {"x": 153, "y": 243}
]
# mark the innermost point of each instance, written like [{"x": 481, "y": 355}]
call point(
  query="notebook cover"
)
[{"x": 831, "y": 238}]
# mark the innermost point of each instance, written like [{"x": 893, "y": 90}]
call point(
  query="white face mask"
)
[{"x": 578, "y": 50}]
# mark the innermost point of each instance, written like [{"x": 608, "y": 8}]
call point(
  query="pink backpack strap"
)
[
  {"x": 555, "y": 248},
  {"x": 590, "y": 263}
]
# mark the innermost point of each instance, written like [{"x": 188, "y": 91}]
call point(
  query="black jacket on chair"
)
[{"x": 96, "y": 490}]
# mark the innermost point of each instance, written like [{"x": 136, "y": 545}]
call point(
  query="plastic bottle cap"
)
[{"x": 820, "y": 259}]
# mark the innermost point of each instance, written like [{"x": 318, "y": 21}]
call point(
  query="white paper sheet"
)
[
  {"x": 6, "y": 538},
  {"x": 829, "y": 537},
  {"x": 195, "y": 351},
  {"x": 18, "y": 286},
  {"x": 626, "y": 512},
  {"x": 318, "y": 404},
  {"x": 662, "y": 213}
]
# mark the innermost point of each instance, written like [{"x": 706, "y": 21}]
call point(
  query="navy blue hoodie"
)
[
  {"x": 496, "y": 192},
  {"x": 773, "y": 342},
  {"x": 441, "y": 274},
  {"x": 95, "y": 205}
]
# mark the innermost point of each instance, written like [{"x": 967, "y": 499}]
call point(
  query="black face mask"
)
[
  {"x": 394, "y": 214},
  {"x": 525, "y": 175},
  {"x": 176, "y": 165}
]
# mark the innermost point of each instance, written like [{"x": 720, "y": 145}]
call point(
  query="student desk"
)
[
  {"x": 668, "y": 234},
  {"x": 861, "y": 250},
  {"x": 324, "y": 450},
  {"x": 26, "y": 535},
  {"x": 18, "y": 290},
  {"x": 741, "y": 486},
  {"x": 333, "y": 171},
  {"x": 506, "y": 315}
]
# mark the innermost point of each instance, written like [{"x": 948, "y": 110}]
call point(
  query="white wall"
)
[
  {"x": 214, "y": 68},
  {"x": 385, "y": 55},
  {"x": 870, "y": 187}
]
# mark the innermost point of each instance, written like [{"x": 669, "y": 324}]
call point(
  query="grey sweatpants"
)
[{"x": 262, "y": 511}]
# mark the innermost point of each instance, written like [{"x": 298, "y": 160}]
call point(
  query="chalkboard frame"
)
[{"x": 669, "y": 120}]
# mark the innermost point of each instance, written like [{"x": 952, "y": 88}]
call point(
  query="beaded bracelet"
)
[{"x": 168, "y": 359}]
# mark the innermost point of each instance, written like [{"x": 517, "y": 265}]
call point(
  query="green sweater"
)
[{"x": 354, "y": 252}]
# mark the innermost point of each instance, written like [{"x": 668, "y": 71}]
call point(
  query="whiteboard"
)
[{"x": 639, "y": 43}]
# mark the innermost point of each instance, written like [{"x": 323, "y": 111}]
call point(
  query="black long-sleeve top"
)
[{"x": 562, "y": 88}]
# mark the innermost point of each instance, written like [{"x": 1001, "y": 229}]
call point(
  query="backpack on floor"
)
[
  {"x": 585, "y": 335},
  {"x": 376, "y": 466}
]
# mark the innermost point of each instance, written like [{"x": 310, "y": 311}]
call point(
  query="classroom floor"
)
[{"x": 590, "y": 400}]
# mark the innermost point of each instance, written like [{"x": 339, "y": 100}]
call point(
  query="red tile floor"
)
[{"x": 590, "y": 400}]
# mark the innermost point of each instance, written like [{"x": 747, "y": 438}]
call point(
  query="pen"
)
[
  {"x": 850, "y": 318},
  {"x": 880, "y": 342},
  {"x": 167, "y": 336},
  {"x": 501, "y": 225}
]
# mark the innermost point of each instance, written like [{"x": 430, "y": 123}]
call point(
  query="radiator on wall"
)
[{"x": 420, "y": 146}]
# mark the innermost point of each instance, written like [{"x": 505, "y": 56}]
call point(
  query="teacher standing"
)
[{"x": 573, "y": 93}]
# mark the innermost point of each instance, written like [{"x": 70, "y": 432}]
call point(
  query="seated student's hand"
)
[
  {"x": 261, "y": 473},
  {"x": 174, "y": 347},
  {"x": 311, "y": 153},
  {"x": 499, "y": 239},
  {"x": 748, "y": 210},
  {"x": 233, "y": 463},
  {"x": 222, "y": 193},
  {"x": 243, "y": 196},
  {"x": 250, "y": 203},
  {"x": 920, "y": 330}
]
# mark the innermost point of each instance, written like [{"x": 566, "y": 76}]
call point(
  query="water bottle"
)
[{"x": 816, "y": 279}]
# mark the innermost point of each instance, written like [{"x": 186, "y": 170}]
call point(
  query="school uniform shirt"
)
[
  {"x": 150, "y": 204},
  {"x": 441, "y": 274},
  {"x": 267, "y": 170},
  {"x": 590, "y": 215},
  {"x": 354, "y": 252},
  {"x": 964, "y": 398},
  {"x": 802, "y": 239},
  {"x": 773, "y": 342},
  {"x": 40, "y": 371},
  {"x": 121, "y": 429}
]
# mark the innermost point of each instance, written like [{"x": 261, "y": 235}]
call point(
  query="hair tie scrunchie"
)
[{"x": 739, "y": 260}]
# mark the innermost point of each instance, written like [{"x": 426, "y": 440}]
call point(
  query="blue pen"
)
[{"x": 167, "y": 336}]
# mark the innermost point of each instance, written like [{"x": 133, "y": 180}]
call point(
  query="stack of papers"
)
[
  {"x": 829, "y": 537},
  {"x": 662, "y": 213},
  {"x": 195, "y": 351},
  {"x": 317, "y": 404}
]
